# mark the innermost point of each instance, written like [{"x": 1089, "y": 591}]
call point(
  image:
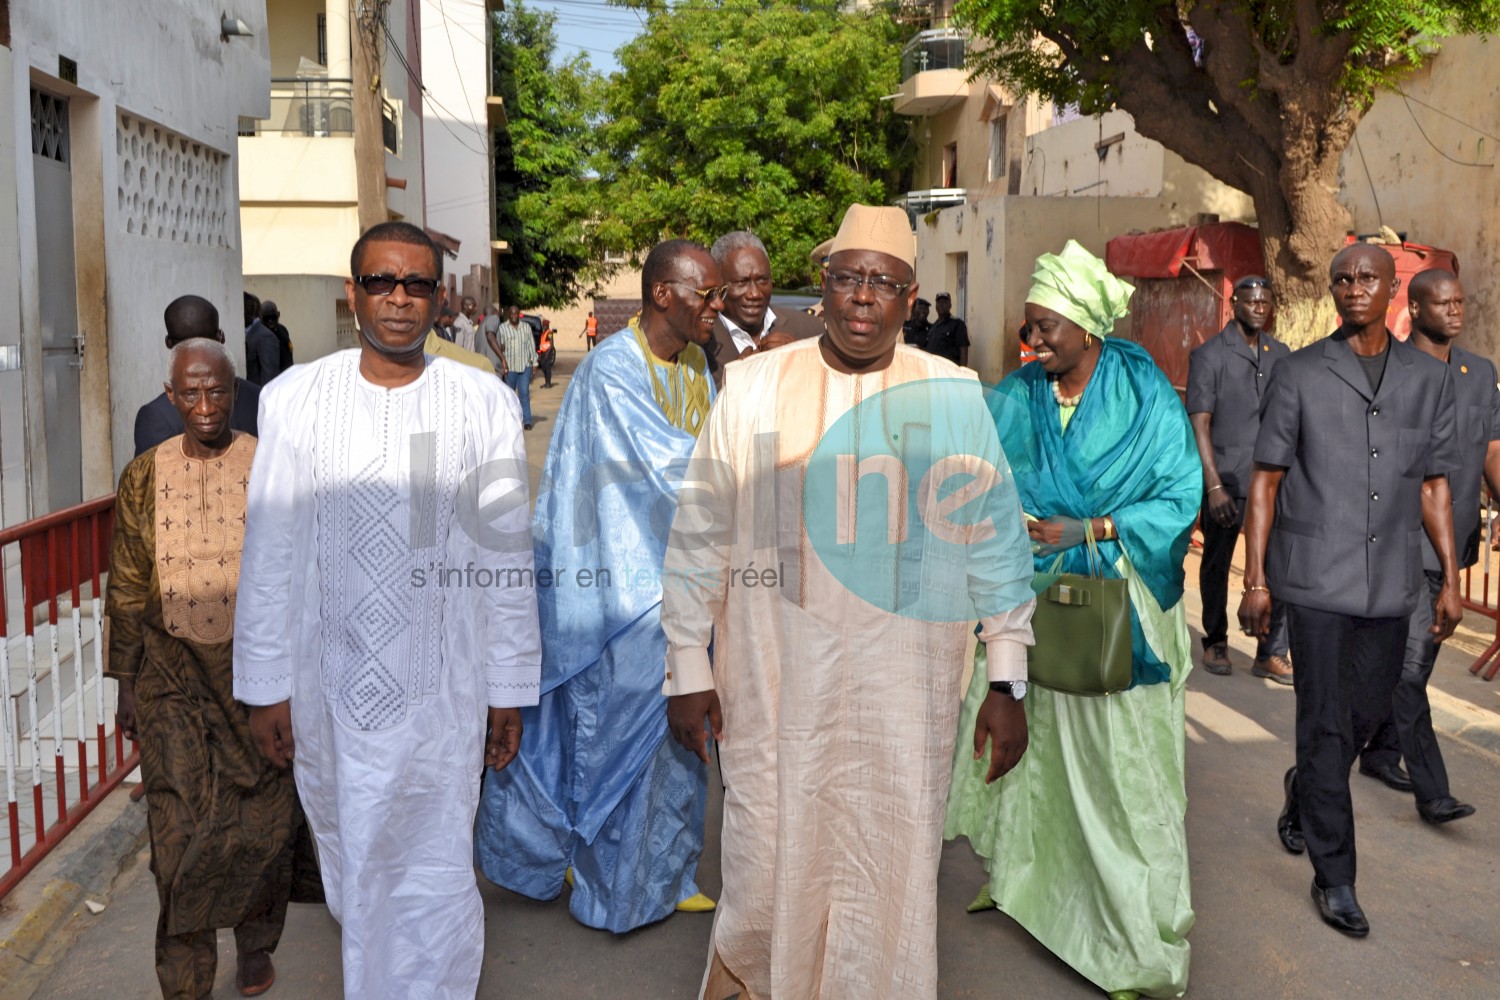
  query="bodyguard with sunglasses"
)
[{"x": 1227, "y": 377}]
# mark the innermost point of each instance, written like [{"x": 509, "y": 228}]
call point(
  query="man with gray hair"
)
[
  {"x": 189, "y": 317},
  {"x": 224, "y": 823},
  {"x": 748, "y": 324}
]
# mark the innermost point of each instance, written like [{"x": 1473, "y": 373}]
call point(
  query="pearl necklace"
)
[{"x": 1065, "y": 401}]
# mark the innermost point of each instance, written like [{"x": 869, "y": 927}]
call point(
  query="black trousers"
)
[
  {"x": 1213, "y": 584},
  {"x": 1347, "y": 668},
  {"x": 1407, "y": 731}
]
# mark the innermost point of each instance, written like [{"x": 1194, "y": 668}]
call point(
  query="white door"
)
[{"x": 58, "y": 297}]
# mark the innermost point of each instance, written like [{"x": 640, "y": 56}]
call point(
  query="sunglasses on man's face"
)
[
  {"x": 385, "y": 284},
  {"x": 715, "y": 292}
]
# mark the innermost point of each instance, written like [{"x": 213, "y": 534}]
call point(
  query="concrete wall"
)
[
  {"x": 1002, "y": 238},
  {"x": 295, "y": 34},
  {"x": 309, "y": 308},
  {"x": 1442, "y": 190},
  {"x": 1063, "y": 161},
  {"x": 568, "y": 321},
  {"x": 153, "y": 118},
  {"x": 457, "y": 143}
]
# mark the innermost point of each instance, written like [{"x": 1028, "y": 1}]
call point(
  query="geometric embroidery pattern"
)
[{"x": 383, "y": 652}]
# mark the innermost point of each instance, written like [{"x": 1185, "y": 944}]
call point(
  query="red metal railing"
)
[
  {"x": 60, "y": 555},
  {"x": 1486, "y": 600}
]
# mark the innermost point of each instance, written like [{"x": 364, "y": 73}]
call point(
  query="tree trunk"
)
[{"x": 1301, "y": 230}]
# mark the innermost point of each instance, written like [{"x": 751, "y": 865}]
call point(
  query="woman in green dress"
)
[{"x": 1084, "y": 839}]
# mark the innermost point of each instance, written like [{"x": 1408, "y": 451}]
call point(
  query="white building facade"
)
[
  {"x": 118, "y": 139},
  {"x": 457, "y": 147},
  {"x": 299, "y": 205}
]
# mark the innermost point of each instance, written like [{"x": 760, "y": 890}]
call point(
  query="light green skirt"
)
[{"x": 1084, "y": 839}]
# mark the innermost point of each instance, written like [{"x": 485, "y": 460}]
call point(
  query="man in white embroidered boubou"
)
[{"x": 388, "y": 616}]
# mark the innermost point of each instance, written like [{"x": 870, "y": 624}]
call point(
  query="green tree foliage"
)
[
  {"x": 762, "y": 115},
  {"x": 1266, "y": 101},
  {"x": 542, "y": 197}
]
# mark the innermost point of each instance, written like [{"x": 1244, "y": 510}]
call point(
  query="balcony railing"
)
[
  {"x": 938, "y": 48},
  {"x": 319, "y": 107},
  {"x": 310, "y": 106},
  {"x": 919, "y": 203}
]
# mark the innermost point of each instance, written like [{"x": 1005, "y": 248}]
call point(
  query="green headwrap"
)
[{"x": 1077, "y": 285}]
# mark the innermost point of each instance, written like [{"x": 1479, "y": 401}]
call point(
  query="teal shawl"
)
[{"x": 1128, "y": 452}]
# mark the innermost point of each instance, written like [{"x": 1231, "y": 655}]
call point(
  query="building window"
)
[
  {"x": 248, "y": 127},
  {"x": 998, "y": 164},
  {"x": 323, "y": 39},
  {"x": 390, "y": 131},
  {"x": 950, "y": 165},
  {"x": 49, "y": 126}
]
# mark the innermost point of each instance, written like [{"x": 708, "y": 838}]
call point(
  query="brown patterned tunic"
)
[{"x": 223, "y": 821}]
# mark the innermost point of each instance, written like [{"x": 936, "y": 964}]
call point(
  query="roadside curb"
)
[
  {"x": 1475, "y": 727},
  {"x": 39, "y": 919}
]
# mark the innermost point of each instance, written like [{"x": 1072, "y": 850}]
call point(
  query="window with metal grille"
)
[{"x": 49, "y": 126}]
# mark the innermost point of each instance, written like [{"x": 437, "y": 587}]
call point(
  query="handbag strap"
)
[{"x": 1096, "y": 560}]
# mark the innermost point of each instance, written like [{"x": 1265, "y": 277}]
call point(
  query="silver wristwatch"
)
[{"x": 1016, "y": 689}]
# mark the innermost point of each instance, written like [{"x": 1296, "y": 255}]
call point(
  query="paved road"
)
[{"x": 1433, "y": 896}]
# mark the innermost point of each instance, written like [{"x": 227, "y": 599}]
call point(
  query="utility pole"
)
[{"x": 367, "y": 59}]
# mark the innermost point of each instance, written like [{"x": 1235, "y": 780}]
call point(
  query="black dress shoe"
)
[
  {"x": 1289, "y": 824},
  {"x": 1444, "y": 810},
  {"x": 1340, "y": 910},
  {"x": 1391, "y": 775}
]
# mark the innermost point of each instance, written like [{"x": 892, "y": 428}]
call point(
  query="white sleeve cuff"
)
[
  {"x": 1007, "y": 659},
  {"x": 513, "y": 686},
  {"x": 688, "y": 671}
]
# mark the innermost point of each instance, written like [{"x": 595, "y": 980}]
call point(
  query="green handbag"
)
[{"x": 1083, "y": 629}]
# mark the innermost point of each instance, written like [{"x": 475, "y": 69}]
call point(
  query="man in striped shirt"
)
[{"x": 517, "y": 353}]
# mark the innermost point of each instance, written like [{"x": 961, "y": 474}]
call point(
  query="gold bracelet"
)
[
  {"x": 1212, "y": 488},
  {"x": 1251, "y": 590}
]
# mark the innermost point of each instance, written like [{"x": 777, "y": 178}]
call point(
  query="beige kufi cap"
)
[{"x": 883, "y": 229}]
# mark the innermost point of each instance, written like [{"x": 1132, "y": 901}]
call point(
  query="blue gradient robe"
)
[{"x": 599, "y": 786}]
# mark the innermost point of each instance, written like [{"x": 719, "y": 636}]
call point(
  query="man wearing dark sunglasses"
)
[
  {"x": 386, "y": 631},
  {"x": 600, "y": 797},
  {"x": 1227, "y": 376},
  {"x": 838, "y": 715}
]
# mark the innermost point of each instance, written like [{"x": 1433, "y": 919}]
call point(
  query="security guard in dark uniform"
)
[
  {"x": 1356, "y": 443},
  {"x": 1436, "y": 300},
  {"x": 1227, "y": 377}
]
